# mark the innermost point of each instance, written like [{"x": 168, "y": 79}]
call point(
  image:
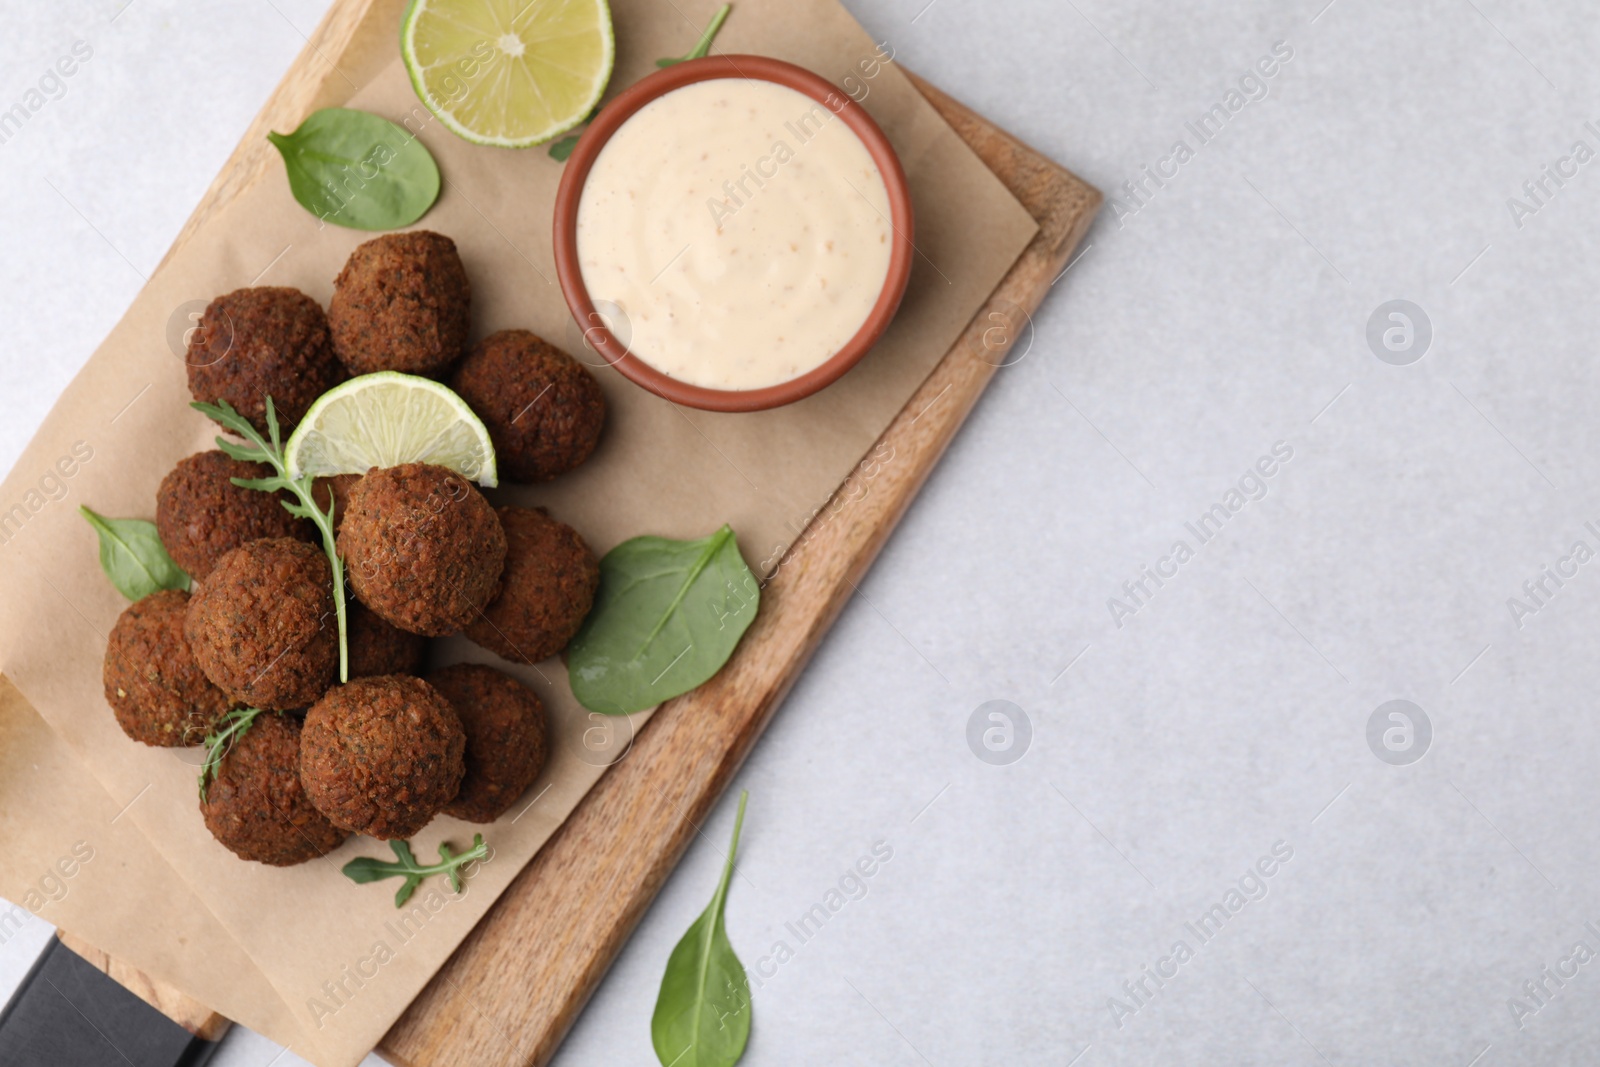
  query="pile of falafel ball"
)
[{"x": 427, "y": 555}]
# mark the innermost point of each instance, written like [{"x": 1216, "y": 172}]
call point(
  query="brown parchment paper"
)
[
  {"x": 340, "y": 958},
  {"x": 77, "y": 862}
]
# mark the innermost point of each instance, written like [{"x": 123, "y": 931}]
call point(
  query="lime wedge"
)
[
  {"x": 511, "y": 73},
  {"x": 384, "y": 420}
]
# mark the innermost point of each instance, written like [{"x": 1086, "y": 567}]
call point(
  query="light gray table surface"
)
[{"x": 1173, "y": 742}]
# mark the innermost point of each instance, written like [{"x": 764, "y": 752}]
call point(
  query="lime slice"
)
[
  {"x": 511, "y": 73},
  {"x": 384, "y": 420}
]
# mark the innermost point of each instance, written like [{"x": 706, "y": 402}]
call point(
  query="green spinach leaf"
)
[
  {"x": 702, "y": 1016},
  {"x": 133, "y": 557},
  {"x": 667, "y": 617},
  {"x": 359, "y": 170}
]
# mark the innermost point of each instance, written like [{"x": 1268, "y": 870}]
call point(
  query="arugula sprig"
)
[
  {"x": 702, "y": 47},
  {"x": 219, "y": 740},
  {"x": 366, "y": 869},
  {"x": 261, "y": 450}
]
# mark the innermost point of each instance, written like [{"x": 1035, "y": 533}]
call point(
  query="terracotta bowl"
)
[{"x": 613, "y": 115}]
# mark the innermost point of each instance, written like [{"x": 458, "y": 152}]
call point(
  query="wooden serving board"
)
[{"x": 512, "y": 989}]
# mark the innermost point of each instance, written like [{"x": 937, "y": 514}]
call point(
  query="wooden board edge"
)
[{"x": 629, "y": 831}]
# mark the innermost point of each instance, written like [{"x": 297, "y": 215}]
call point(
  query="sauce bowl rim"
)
[{"x": 744, "y": 67}]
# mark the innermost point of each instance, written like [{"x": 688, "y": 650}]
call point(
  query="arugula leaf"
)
[
  {"x": 667, "y": 617},
  {"x": 227, "y": 730},
  {"x": 133, "y": 557},
  {"x": 702, "y": 1016},
  {"x": 359, "y": 170},
  {"x": 260, "y": 450},
  {"x": 562, "y": 149},
  {"x": 365, "y": 869},
  {"x": 702, "y": 48}
]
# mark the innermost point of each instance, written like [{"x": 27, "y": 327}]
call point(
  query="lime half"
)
[
  {"x": 511, "y": 73},
  {"x": 384, "y": 420}
]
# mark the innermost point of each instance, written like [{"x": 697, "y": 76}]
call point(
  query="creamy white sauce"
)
[{"x": 742, "y": 229}]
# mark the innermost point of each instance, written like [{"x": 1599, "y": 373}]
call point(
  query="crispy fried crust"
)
[
  {"x": 544, "y": 410},
  {"x": 155, "y": 688},
  {"x": 549, "y": 586},
  {"x": 256, "y": 807},
  {"x": 382, "y": 756},
  {"x": 262, "y": 625},
  {"x": 378, "y": 648},
  {"x": 334, "y": 489},
  {"x": 423, "y": 547},
  {"x": 505, "y": 727},
  {"x": 402, "y": 302},
  {"x": 201, "y": 514},
  {"x": 255, "y": 342}
]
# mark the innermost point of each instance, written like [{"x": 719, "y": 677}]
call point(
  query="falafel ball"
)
[
  {"x": 262, "y": 625},
  {"x": 423, "y": 547},
  {"x": 548, "y": 588},
  {"x": 157, "y": 691},
  {"x": 378, "y": 648},
  {"x": 253, "y": 343},
  {"x": 504, "y": 723},
  {"x": 401, "y": 303},
  {"x": 256, "y": 806},
  {"x": 200, "y": 513},
  {"x": 544, "y": 410},
  {"x": 382, "y": 756}
]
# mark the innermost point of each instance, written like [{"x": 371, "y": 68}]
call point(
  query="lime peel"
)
[
  {"x": 385, "y": 419},
  {"x": 508, "y": 73}
]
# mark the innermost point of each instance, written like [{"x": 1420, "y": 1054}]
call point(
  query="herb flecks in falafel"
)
[
  {"x": 382, "y": 756},
  {"x": 259, "y": 625},
  {"x": 201, "y": 511},
  {"x": 332, "y": 493},
  {"x": 256, "y": 807},
  {"x": 401, "y": 303},
  {"x": 423, "y": 547},
  {"x": 544, "y": 410},
  {"x": 153, "y": 682},
  {"x": 506, "y": 739},
  {"x": 228, "y": 729},
  {"x": 252, "y": 343},
  {"x": 379, "y": 648},
  {"x": 547, "y": 590},
  {"x": 270, "y": 452}
]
